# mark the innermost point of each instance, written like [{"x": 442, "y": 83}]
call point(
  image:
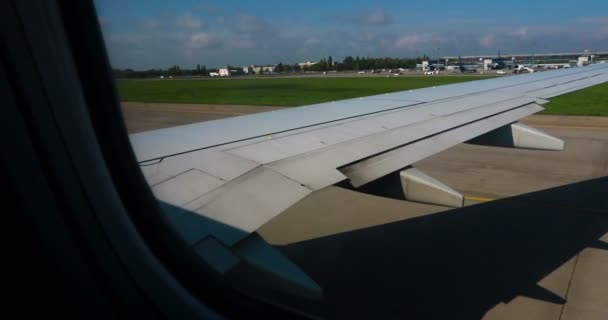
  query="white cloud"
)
[
  {"x": 199, "y": 40},
  {"x": 367, "y": 36},
  {"x": 127, "y": 40},
  {"x": 487, "y": 40},
  {"x": 602, "y": 20},
  {"x": 252, "y": 25},
  {"x": 188, "y": 21},
  {"x": 598, "y": 24},
  {"x": 151, "y": 24},
  {"x": 377, "y": 18},
  {"x": 312, "y": 41},
  {"x": 367, "y": 18},
  {"x": 521, "y": 33},
  {"x": 242, "y": 43},
  {"x": 409, "y": 42}
]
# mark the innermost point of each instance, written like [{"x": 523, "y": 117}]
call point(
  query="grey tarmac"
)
[{"x": 521, "y": 253}]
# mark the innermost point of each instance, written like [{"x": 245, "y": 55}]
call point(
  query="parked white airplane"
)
[
  {"x": 239, "y": 173},
  {"x": 522, "y": 67}
]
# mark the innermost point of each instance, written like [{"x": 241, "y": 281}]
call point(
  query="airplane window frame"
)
[{"x": 80, "y": 110}]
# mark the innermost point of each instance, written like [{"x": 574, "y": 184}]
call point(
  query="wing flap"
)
[
  {"x": 249, "y": 201},
  {"x": 218, "y": 164},
  {"x": 186, "y": 187},
  {"x": 324, "y": 162},
  {"x": 289, "y": 145},
  {"x": 376, "y": 167}
]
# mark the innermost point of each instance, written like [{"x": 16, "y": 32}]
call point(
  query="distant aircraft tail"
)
[{"x": 460, "y": 65}]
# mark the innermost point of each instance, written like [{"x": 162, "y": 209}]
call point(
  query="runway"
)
[{"x": 522, "y": 253}]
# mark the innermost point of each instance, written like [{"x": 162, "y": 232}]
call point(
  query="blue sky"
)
[{"x": 146, "y": 34}]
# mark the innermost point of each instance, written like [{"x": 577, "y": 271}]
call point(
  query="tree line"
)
[
  {"x": 173, "y": 71},
  {"x": 366, "y": 63},
  {"x": 348, "y": 64}
]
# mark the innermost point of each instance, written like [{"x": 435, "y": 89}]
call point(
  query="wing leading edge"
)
[{"x": 241, "y": 172}]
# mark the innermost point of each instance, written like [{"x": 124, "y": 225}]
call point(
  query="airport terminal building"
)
[{"x": 548, "y": 60}]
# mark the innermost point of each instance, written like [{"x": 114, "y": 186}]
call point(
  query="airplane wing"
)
[{"x": 243, "y": 171}]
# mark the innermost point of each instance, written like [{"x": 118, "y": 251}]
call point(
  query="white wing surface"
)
[{"x": 244, "y": 171}]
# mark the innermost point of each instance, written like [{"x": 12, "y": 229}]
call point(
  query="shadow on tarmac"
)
[{"x": 456, "y": 264}]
